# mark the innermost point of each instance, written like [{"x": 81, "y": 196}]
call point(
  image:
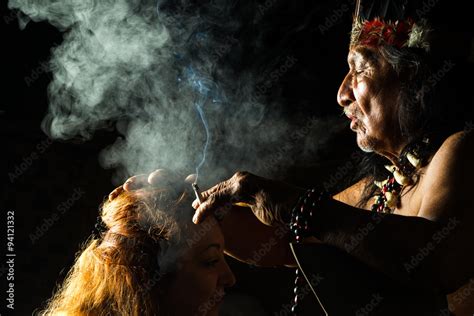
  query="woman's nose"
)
[
  {"x": 227, "y": 277},
  {"x": 345, "y": 95}
]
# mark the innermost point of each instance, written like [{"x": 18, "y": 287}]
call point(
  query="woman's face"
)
[{"x": 203, "y": 273}]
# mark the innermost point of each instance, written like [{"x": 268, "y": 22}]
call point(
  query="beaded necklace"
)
[
  {"x": 411, "y": 159},
  {"x": 413, "y": 156}
]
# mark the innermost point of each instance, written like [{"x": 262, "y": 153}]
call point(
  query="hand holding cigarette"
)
[
  {"x": 197, "y": 193},
  {"x": 270, "y": 201},
  {"x": 199, "y": 197}
]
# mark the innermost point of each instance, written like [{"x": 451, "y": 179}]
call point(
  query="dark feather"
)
[{"x": 392, "y": 10}]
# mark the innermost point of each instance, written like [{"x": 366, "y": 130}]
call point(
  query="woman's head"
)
[
  {"x": 198, "y": 286},
  {"x": 150, "y": 260}
]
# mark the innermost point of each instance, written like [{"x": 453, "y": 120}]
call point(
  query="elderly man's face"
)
[{"x": 369, "y": 95}]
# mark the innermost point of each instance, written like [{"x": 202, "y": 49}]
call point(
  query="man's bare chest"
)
[{"x": 410, "y": 200}]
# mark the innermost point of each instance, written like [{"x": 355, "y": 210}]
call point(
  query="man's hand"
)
[
  {"x": 271, "y": 201},
  {"x": 159, "y": 177}
]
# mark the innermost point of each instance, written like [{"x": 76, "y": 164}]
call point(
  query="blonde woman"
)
[{"x": 149, "y": 259}]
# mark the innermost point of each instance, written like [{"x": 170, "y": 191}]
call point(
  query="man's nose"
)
[
  {"x": 227, "y": 277},
  {"x": 345, "y": 95}
]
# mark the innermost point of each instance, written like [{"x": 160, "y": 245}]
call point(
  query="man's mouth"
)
[
  {"x": 353, "y": 118},
  {"x": 354, "y": 123}
]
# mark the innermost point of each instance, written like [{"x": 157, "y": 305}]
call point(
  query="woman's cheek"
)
[{"x": 204, "y": 284}]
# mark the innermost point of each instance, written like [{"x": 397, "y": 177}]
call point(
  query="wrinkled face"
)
[
  {"x": 203, "y": 273},
  {"x": 369, "y": 95}
]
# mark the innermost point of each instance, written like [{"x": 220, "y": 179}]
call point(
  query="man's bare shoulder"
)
[
  {"x": 455, "y": 151},
  {"x": 447, "y": 177},
  {"x": 457, "y": 143},
  {"x": 447, "y": 198}
]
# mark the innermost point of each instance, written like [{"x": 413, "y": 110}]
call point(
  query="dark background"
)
[{"x": 51, "y": 171}]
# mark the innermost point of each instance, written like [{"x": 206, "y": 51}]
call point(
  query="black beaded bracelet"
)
[
  {"x": 300, "y": 227},
  {"x": 302, "y": 213}
]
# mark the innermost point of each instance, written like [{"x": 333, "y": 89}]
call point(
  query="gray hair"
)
[{"x": 415, "y": 107}]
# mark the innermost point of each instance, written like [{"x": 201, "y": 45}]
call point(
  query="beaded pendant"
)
[
  {"x": 388, "y": 197},
  {"x": 389, "y": 191}
]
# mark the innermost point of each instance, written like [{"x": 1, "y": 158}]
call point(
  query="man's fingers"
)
[
  {"x": 215, "y": 203},
  {"x": 162, "y": 178},
  {"x": 220, "y": 188},
  {"x": 157, "y": 176},
  {"x": 218, "y": 198},
  {"x": 205, "y": 194},
  {"x": 136, "y": 182},
  {"x": 202, "y": 212},
  {"x": 191, "y": 178},
  {"x": 195, "y": 204},
  {"x": 116, "y": 192}
]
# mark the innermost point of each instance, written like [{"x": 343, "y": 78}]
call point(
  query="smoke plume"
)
[{"x": 147, "y": 68}]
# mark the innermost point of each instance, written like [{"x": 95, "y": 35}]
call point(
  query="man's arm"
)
[
  {"x": 353, "y": 194},
  {"x": 258, "y": 244},
  {"x": 433, "y": 249}
]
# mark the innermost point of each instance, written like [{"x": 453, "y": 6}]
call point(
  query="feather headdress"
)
[{"x": 387, "y": 22}]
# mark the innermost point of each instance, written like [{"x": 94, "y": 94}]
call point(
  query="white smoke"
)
[{"x": 126, "y": 63}]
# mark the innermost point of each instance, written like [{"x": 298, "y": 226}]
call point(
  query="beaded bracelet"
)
[
  {"x": 303, "y": 212},
  {"x": 301, "y": 217}
]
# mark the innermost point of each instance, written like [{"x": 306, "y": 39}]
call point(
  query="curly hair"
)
[{"x": 123, "y": 271}]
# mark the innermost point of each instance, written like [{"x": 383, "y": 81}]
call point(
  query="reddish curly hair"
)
[{"x": 119, "y": 273}]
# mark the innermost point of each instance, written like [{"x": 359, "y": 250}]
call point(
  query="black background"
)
[{"x": 55, "y": 169}]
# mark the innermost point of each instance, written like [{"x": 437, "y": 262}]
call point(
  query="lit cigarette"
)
[{"x": 197, "y": 193}]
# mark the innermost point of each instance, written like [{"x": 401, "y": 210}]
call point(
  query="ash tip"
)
[{"x": 197, "y": 192}]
